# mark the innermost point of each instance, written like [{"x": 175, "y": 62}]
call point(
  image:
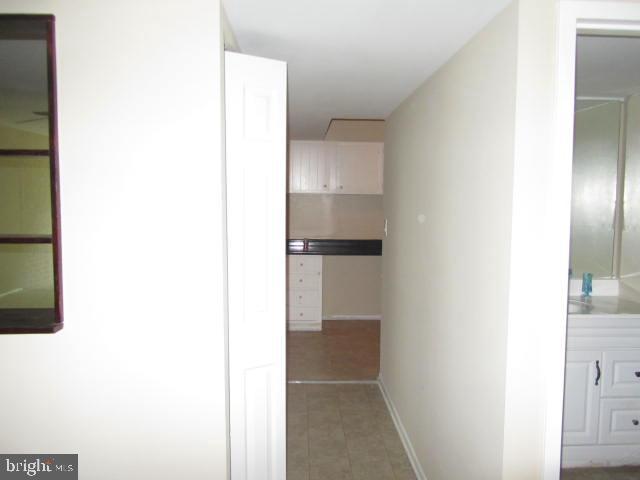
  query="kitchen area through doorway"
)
[{"x": 335, "y": 227}]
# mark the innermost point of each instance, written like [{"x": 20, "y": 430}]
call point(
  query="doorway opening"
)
[{"x": 601, "y": 419}]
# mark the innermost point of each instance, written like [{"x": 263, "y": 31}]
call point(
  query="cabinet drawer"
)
[
  {"x": 304, "y": 263},
  {"x": 304, "y": 298},
  {"x": 619, "y": 421},
  {"x": 305, "y": 281},
  {"x": 302, "y": 314},
  {"x": 621, "y": 373}
]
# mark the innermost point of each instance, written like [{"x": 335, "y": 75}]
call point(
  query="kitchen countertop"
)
[{"x": 330, "y": 246}]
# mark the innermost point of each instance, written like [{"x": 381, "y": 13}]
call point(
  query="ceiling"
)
[
  {"x": 354, "y": 58},
  {"x": 607, "y": 66}
]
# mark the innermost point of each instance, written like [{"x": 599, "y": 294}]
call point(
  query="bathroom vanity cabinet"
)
[{"x": 602, "y": 391}]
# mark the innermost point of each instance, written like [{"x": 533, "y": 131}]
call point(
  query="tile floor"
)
[
  {"x": 619, "y": 473},
  {"x": 342, "y": 432},
  {"x": 343, "y": 350}
]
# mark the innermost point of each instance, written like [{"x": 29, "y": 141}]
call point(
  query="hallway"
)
[{"x": 342, "y": 432}]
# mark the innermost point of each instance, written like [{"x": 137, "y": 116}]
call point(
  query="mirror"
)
[{"x": 595, "y": 176}]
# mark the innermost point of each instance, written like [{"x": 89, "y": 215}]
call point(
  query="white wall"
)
[
  {"x": 135, "y": 382},
  {"x": 539, "y": 255},
  {"x": 448, "y": 195}
]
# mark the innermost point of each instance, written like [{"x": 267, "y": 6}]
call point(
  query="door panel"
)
[{"x": 255, "y": 100}]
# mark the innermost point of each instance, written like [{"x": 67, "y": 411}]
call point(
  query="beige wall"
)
[
  {"x": 335, "y": 216},
  {"x": 448, "y": 189},
  {"x": 351, "y": 285},
  {"x": 135, "y": 382}
]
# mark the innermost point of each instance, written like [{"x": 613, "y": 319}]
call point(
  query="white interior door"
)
[{"x": 255, "y": 96}]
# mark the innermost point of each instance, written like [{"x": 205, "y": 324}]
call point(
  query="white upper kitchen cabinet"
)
[
  {"x": 312, "y": 167},
  {"x": 336, "y": 167},
  {"x": 360, "y": 167}
]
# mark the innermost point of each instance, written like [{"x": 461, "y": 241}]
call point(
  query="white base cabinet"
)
[
  {"x": 601, "y": 425},
  {"x": 304, "y": 293}
]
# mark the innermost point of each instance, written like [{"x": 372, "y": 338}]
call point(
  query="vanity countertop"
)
[{"x": 603, "y": 306}]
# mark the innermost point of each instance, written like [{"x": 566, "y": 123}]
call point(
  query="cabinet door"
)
[
  {"x": 621, "y": 373},
  {"x": 360, "y": 167},
  {"x": 295, "y": 167},
  {"x": 581, "y": 398},
  {"x": 312, "y": 167}
]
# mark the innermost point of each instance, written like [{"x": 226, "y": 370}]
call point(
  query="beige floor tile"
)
[
  {"x": 324, "y": 417},
  {"x": 333, "y": 468},
  {"x": 404, "y": 473},
  {"x": 611, "y": 473},
  {"x": 343, "y": 350},
  {"x": 297, "y": 474},
  {"x": 344, "y": 431},
  {"x": 378, "y": 470},
  {"x": 322, "y": 448},
  {"x": 298, "y": 449},
  {"x": 366, "y": 448}
]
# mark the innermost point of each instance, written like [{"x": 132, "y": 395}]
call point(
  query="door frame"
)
[{"x": 574, "y": 18}]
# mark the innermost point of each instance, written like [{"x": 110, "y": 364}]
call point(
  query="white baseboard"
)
[
  {"x": 352, "y": 317},
  {"x": 298, "y": 326},
  {"x": 600, "y": 456},
  {"x": 417, "y": 468}
]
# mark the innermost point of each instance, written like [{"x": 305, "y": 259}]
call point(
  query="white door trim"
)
[{"x": 573, "y": 18}]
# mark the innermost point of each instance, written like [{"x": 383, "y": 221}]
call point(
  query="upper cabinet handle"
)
[
  {"x": 597, "y": 371},
  {"x": 638, "y": 374}
]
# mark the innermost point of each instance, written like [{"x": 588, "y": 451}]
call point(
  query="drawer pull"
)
[
  {"x": 597, "y": 372},
  {"x": 300, "y": 297},
  {"x": 300, "y": 280},
  {"x": 638, "y": 374},
  {"x": 302, "y": 314},
  {"x": 635, "y": 422}
]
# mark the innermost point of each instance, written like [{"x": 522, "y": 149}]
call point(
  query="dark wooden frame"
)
[{"x": 38, "y": 27}]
